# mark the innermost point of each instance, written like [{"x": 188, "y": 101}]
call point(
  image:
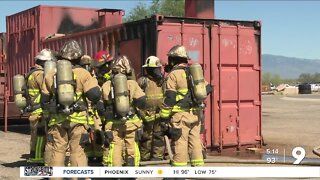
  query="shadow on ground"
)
[{"x": 18, "y": 128}]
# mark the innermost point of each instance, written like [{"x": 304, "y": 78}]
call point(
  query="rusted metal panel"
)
[{"x": 236, "y": 70}]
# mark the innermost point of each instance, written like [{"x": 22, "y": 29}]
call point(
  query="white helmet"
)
[
  {"x": 152, "y": 61},
  {"x": 45, "y": 55}
]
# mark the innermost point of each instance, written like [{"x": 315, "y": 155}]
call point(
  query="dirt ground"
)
[
  {"x": 291, "y": 121},
  {"x": 287, "y": 122}
]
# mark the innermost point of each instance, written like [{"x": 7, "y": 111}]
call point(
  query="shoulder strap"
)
[{"x": 32, "y": 70}]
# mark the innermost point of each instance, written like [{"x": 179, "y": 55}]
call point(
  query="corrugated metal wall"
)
[
  {"x": 3, "y": 65},
  {"x": 229, "y": 52},
  {"x": 131, "y": 39},
  {"x": 25, "y": 30},
  {"x": 236, "y": 72}
]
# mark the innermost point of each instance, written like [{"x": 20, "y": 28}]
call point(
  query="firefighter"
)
[
  {"x": 101, "y": 66},
  {"x": 93, "y": 150},
  {"x": 37, "y": 122},
  {"x": 179, "y": 111},
  {"x": 121, "y": 97},
  {"x": 152, "y": 141},
  {"x": 64, "y": 95}
]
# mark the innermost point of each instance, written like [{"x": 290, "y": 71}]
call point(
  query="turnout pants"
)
[
  {"x": 124, "y": 146},
  {"x": 189, "y": 142},
  {"x": 62, "y": 135},
  {"x": 94, "y": 150},
  {"x": 38, "y": 138},
  {"x": 152, "y": 143}
]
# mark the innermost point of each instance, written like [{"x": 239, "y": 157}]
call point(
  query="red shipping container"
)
[
  {"x": 229, "y": 52},
  {"x": 27, "y": 28},
  {"x": 3, "y": 66}
]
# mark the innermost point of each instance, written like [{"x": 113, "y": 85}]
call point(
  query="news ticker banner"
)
[{"x": 162, "y": 172}]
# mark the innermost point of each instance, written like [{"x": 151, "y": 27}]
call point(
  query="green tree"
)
[
  {"x": 139, "y": 12},
  {"x": 268, "y": 78},
  {"x": 305, "y": 77},
  {"x": 163, "y": 7}
]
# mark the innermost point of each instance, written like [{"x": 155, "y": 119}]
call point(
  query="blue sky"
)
[{"x": 289, "y": 28}]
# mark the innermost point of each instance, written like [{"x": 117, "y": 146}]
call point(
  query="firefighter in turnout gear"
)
[
  {"x": 34, "y": 81},
  {"x": 121, "y": 97},
  {"x": 101, "y": 66},
  {"x": 64, "y": 95},
  {"x": 180, "y": 110},
  {"x": 152, "y": 141},
  {"x": 93, "y": 150}
]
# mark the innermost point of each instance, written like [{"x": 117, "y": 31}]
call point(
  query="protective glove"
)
[{"x": 164, "y": 123}]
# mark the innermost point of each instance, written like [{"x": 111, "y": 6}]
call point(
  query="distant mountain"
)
[{"x": 289, "y": 67}]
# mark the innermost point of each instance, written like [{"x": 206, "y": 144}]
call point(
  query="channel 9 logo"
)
[{"x": 38, "y": 171}]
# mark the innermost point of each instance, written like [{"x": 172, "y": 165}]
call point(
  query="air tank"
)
[
  {"x": 121, "y": 95},
  {"x": 65, "y": 83},
  {"x": 19, "y": 88},
  {"x": 199, "y": 88},
  {"x": 50, "y": 66}
]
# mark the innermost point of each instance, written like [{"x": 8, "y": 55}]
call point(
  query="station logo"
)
[{"x": 38, "y": 171}]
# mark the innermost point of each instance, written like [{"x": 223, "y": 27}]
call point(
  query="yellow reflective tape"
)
[
  {"x": 149, "y": 118},
  {"x": 30, "y": 78},
  {"x": 33, "y": 90},
  {"x": 37, "y": 99},
  {"x": 137, "y": 155},
  {"x": 183, "y": 90},
  {"x": 184, "y": 74},
  {"x": 37, "y": 147},
  {"x": 196, "y": 160},
  {"x": 110, "y": 155},
  {"x": 165, "y": 112},
  {"x": 36, "y": 112},
  {"x": 42, "y": 146},
  {"x": 179, "y": 163}
]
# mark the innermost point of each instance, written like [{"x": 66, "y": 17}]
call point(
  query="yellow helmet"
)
[
  {"x": 152, "y": 61},
  {"x": 122, "y": 65},
  {"x": 178, "y": 51}
]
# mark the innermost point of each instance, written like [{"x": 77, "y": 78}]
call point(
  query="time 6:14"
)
[{"x": 272, "y": 151}]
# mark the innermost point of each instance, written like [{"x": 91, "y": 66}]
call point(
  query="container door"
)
[
  {"x": 196, "y": 39},
  {"x": 235, "y": 52}
]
